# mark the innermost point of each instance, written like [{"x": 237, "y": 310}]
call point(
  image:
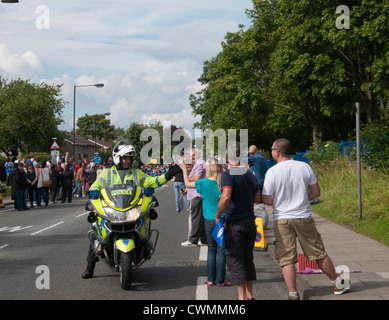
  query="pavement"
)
[
  {"x": 348, "y": 248},
  {"x": 344, "y": 247}
]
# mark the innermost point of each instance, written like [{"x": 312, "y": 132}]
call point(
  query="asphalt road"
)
[{"x": 43, "y": 251}]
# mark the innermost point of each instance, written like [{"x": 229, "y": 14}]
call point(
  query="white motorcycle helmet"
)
[{"x": 123, "y": 148}]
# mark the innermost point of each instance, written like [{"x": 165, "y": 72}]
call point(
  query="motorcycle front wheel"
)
[{"x": 125, "y": 269}]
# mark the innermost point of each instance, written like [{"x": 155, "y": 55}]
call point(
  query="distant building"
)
[{"x": 84, "y": 146}]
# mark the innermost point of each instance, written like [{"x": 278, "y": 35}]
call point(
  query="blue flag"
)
[{"x": 219, "y": 232}]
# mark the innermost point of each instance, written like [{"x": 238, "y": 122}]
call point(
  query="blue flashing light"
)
[
  {"x": 94, "y": 193},
  {"x": 149, "y": 190}
]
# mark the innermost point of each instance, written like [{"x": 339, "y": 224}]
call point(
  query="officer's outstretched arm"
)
[
  {"x": 156, "y": 182},
  {"x": 152, "y": 182}
]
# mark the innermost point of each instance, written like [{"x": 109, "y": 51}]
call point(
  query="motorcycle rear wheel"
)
[{"x": 126, "y": 260}]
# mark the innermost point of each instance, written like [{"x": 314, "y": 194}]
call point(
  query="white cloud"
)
[
  {"x": 16, "y": 63},
  {"x": 184, "y": 118},
  {"x": 148, "y": 54}
]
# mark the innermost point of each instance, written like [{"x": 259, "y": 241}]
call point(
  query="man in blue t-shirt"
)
[
  {"x": 9, "y": 166},
  {"x": 257, "y": 163},
  {"x": 240, "y": 191}
]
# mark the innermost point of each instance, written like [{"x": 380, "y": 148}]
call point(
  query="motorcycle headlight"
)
[
  {"x": 115, "y": 215},
  {"x": 133, "y": 214}
]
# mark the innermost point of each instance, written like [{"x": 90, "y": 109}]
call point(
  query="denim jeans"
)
[
  {"x": 43, "y": 194},
  {"x": 216, "y": 259},
  {"x": 78, "y": 187},
  {"x": 21, "y": 199},
  {"x": 177, "y": 187}
]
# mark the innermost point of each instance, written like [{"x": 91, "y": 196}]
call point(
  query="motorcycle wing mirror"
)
[
  {"x": 91, "y": 218},
  {"x": 87, "y": 204},
  {"x": 156, "y": 202},
  {"x": 153, "y": 214}
]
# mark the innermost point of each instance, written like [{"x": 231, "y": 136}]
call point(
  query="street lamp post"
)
[
  {"x": 104, "y": 114},
  {"x": 97, "y": 85}
]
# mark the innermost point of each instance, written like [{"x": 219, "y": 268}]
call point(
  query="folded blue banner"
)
[
  {"x": 180, "y": 204},
  {"x": 219, "y": 232}
]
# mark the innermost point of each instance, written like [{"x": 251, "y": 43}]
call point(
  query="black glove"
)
[{"x": 172, "y": 171}]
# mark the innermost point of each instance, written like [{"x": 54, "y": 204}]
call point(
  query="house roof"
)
[{"x": 80, "y": 141}]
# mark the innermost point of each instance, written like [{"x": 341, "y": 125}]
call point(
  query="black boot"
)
[{"x": 88, "y": 273}]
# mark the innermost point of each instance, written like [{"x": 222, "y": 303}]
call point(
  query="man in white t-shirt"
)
[{"x": 290, "y": 186}]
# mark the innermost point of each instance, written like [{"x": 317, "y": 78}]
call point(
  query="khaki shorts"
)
[{"x": 286, "y": 231}]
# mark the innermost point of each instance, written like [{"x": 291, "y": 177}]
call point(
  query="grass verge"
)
[{"x": 339, "y": 198}]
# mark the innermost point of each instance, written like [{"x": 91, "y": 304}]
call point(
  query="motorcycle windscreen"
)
[{"x": 122, "y": 196}]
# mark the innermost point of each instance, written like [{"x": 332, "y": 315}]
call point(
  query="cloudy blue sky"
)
[{"x": 148, "y": 53}]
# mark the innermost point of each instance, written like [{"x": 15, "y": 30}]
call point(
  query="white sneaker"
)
[
  {"x": 188, "y": 244},
  {"x": 340, "y": 286},
  {"x": 201, "y": 243}
]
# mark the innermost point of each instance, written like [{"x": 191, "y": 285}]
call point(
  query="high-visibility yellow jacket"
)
[{"x": 110, "y": 177}]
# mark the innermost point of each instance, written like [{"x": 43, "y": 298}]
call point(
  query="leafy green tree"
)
[
  {"x": 309, "y": 85},
  {"x": 89, "y": 125},
  {"x": 30, "y": 115},
  {"x": 296, "y": 73},
  {"x": 238, "y": 79},
  {"x": 375, "y": 146},
  {"x": 118, "y": 132},
  {"x": 363, "y": 52},
  {"x": 134, "y": 132},
  {"x": 321, "y": 70}
]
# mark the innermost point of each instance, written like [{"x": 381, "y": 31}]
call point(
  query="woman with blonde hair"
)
[{"x": 209, "y": 188}]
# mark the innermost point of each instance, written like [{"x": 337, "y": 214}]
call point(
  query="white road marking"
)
[
  {"x": 14, "y": 229},
  {"x": 201, "y": 289},
  {"x": 6, "y": 245},
  {"x": 33, "y": 234},
  {"x": 203, "y": 253},
  {"x": 82, "y": 214},
  {"x": 6, "y": 210},
  {"x": 384, "y": 275}
]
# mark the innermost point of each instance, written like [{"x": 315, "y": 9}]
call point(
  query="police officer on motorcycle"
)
[{"x": 121, "y": 172}]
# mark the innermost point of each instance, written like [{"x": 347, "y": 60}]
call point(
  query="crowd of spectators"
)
[
  {"x": 53, "y": 180},
  {"x": 155, "y": 170},
  {"x": 68, "y": 179}
]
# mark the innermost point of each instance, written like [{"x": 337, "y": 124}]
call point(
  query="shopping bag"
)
[
  {"x": 46, "y": 183},
  {"x": 219, "y": 232}
]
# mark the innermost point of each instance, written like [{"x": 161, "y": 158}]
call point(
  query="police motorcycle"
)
[{"x": 121, "y": 235}]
